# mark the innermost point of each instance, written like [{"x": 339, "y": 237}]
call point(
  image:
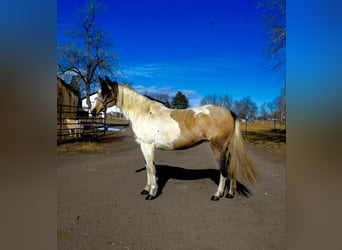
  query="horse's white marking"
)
[
  {"x": 221, "y": 187},
  {"x": 161, "y": 133},
  {"x": 153, "y": 124},
  {"x": 202, "y": 109},
  {"x": 148, "y": 152}
]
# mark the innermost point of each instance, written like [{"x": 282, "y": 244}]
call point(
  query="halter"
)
[{"x": 114, "y": 96}]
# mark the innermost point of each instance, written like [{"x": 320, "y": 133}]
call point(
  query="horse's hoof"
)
[
  {"x": 150, "y": 197},
  {"x": 215, "y": 198},
  {"x": 144, "y": 192},
  {"x": 230, "y": 196}
]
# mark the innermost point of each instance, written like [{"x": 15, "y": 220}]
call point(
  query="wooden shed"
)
[{"x": 68, "y": 100}]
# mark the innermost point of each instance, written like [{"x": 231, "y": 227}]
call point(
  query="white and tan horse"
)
[
  {"x": 74, "y": 126},
  {"x": 158, "y": 127}
]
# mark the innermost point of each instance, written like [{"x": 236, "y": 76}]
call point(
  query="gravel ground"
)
[{"x": 100, "y": 206}]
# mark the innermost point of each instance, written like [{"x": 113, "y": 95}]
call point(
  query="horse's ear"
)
[
  {"x": 107, "y": 79},
  {"x": 104, "y": 86}
]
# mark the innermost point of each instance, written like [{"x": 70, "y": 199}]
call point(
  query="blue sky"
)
[{"x": 198, "y": 47}]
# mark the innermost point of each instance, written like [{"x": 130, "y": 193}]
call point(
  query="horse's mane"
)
[
  {"x": 154, "y": 99},
  {"x": 135, "y": 100}
]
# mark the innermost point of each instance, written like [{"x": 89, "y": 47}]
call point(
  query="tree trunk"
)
[{"x": 88, "y": 95}]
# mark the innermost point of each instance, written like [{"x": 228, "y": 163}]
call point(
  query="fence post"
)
[
  {"x": 60, "y": 123},
  {"x": 104, "y": 122}
]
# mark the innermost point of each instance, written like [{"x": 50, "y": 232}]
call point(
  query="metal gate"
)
[{"x": 74, "y": 124}]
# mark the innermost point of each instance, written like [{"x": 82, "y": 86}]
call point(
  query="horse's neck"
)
[{"x": 132, "y": 104}]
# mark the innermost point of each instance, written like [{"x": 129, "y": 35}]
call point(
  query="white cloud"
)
[
  {"x": 192, "y": 95},
  {"x": 157, "y": 77},
  {"x": 152, "y": 89},
  {"x": 147, "y": 70},
  {"x": 183, "y": 70}
]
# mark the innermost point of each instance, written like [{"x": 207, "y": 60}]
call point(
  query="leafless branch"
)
[{"x": 87, "y": 52}]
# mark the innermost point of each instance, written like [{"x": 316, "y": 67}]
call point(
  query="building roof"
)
[{"x": 68, "y": 86}]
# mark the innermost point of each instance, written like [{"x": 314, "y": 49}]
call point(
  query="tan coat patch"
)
[{"x": 215, "y": 125}]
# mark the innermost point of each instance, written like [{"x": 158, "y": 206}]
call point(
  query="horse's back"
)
[
  {"x": 217, "y": 122},
  {"x": 202, "y": 123}
]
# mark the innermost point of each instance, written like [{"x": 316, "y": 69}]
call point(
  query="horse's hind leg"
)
[
  {"x": 151, "y": 187},
  {"x": 232, "y": 177},
  {"x": 232, "y": 186},
  {"x": 221, "y": 159}
]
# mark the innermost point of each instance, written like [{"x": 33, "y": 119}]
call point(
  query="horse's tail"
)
[{"x": 240, "y": 160}]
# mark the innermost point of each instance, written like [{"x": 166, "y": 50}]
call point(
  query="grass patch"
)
[
  {"x": 86, "y": 147},
  {"x": 264, "y": 136},
  {"x": 263, "y": 132},
  {"x": 80, "y": 147}
]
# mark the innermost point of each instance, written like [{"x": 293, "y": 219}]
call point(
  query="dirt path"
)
[{"x": 100, "y": 206}]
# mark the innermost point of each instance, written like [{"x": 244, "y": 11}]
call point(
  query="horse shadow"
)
[{"x": 166, "y": 172}]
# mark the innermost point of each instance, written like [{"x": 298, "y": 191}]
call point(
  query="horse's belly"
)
[
  {"x": 162, "y": 134},
  {"x": 164, "y": 141}
]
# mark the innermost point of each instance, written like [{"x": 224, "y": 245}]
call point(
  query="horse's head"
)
[{"x": 106, "y": 96}]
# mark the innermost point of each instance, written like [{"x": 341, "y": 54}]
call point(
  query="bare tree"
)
[
  {"x": 74, "y": 84},
  {"x": 272, "y": 106},
  {"x": 209, "y": 99},
  {"x": 274, "y": 14},
  {"x": 263, "y": 111},
  {"x": 87, "y": 54},
  {"x": 280, "y": 107},
  {"x": 277, "y": 108},
  {"x": 245, "y": 108},
  {"x": 225, "y": 101},
  {"x": 164, "y": 98}
]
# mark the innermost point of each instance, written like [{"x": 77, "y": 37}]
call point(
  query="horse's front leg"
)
[{"x": 151, "y": 187}]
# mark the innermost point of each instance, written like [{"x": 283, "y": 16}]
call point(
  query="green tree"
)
[{"x": 180, "y": 101}]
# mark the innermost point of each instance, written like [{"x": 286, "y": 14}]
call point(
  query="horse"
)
[
  {"x": 157, "y": 127},
  {"x": 74, "y": 126}
]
